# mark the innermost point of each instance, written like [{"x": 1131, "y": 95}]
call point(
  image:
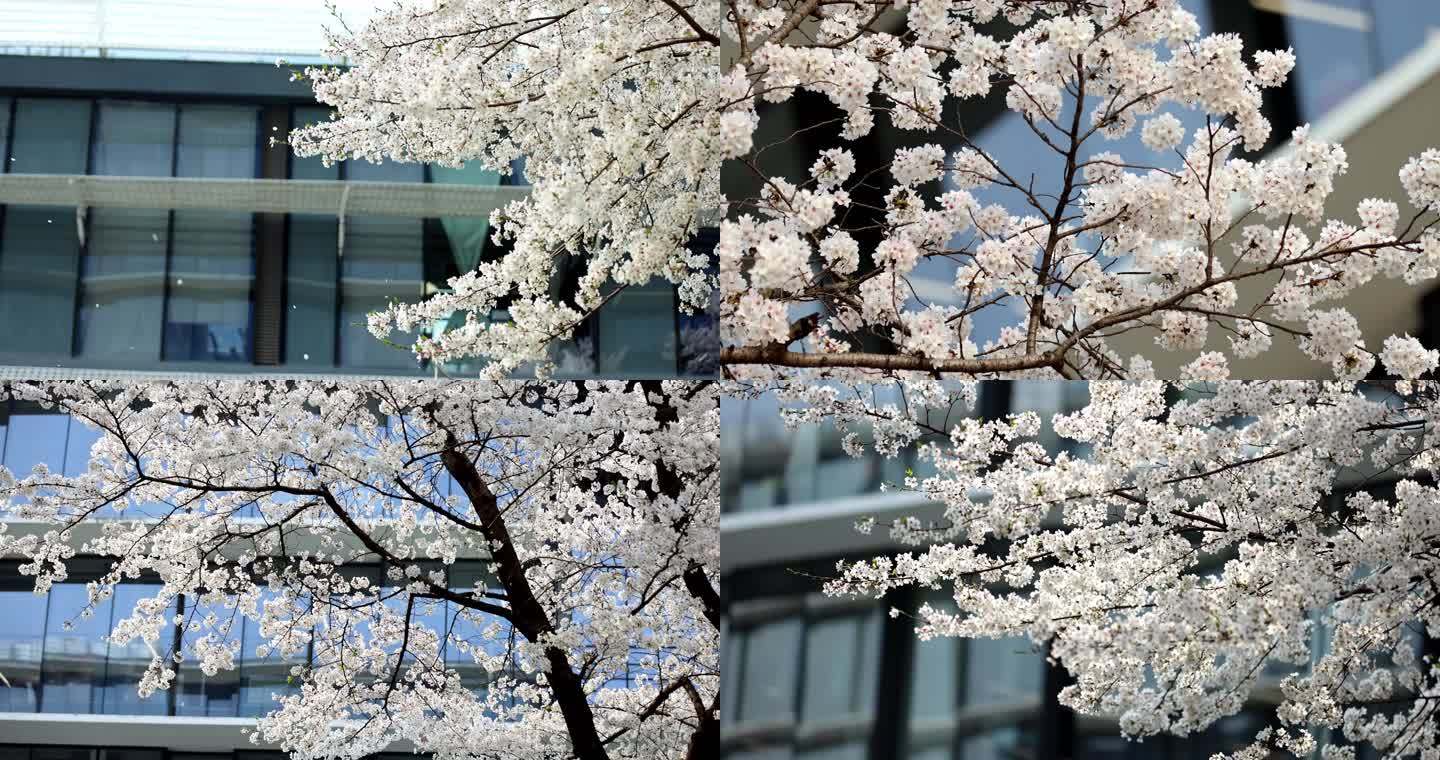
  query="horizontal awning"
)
[{"x": 276, "y": 196}]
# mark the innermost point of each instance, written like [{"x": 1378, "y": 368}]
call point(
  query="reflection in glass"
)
[
  {"x": 311, "y": 276},
  {"x": 122, "y": 278},
  {"x": 36, "y": 436},
  {"x": 51, "y": 136},
  {"x": 263, "y": 680},
  {"x": 310, "y": 291},
  {"x": 127, "y": 663},
  {"x": 41, "y": 243},
  {"x": 78, "y": 442},
  {"x": 382, "y": 262},
  {"x": 835, "y": 655},
  {"x": 22, "y": 636},
  {"x": 1000, "y": 671},
  {"x": 465, "y": 236},
  {"x": 995, "y": 744},
  {"x": 74, "y": 651},
  {"x": 637, "y": 330},
  {"x": 210, "y": 278},
  {"x": 212, "y": 260},
  {"x": 467, "y": 628},
  {"x": 37, "y": 279},
  {"x": 195, "y": 692}
]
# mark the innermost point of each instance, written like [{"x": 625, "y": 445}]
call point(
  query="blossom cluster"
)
[
  {"x": 953, "y": 260},
  {"x": 1183, "y": 549},
  {"x": 608, "y": 105},
  {"x": 592, "y": 508}
]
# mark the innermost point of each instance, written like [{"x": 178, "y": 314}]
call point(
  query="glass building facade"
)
[
  {"x": 233, "y": 290},
  {"x": 53, "y": 652}
]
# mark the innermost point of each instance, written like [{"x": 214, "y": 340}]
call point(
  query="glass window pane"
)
[
  {"x": 123, "y": 271},
  {"x": 212, "y": 260},
  {"x": 936, "y": 670},
  {"x": 312, "y": 276},
  {"x": 930, "y": 753},
  {"x": 39, "y": 262},
  {"x": 211, "y": 268},
  {"x": 517, "y": 172},
  {"x": 79, "y": 440},
  {"x": 381, "y": 262},
  {"x": 769, "y": 673},
  {"x": 997, "y": 744},
  {"x": 126, "y": 664},
  {"x": 732, "y": 646},
  {"x": 134, "y": 139},
  {"x": 22, "y": 636},
  {"x": 1000, "y": 671},
  {"x": 36, "y": 436},
  {"x": 122, "y": 285},
  {"x": 1104, "y": 747},
  {"x": 467, "y": 629},
  {"x": 832, "y": 653},
  {"x": 766, "y": 753},
  {"x": 637, "y": 331},
  {"x": 52, "y": 136},
  {"x": 74, "y": 658},
  {"x": 195, "y": 692},
  {"x": 1403, "y": 26},
  {"x": 218, "y": 141},
  {"x": 1345, "y": 52},
  {"x": 465, "y": 237},
  {"x": 310, "y": 291},
  {"x": 263, "y": 679}
]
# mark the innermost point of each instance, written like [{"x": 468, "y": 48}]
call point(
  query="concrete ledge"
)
[{"x": 821, "y": 529}]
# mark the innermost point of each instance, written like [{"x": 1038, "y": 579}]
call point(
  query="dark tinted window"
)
[{"x": 212, "y": 260}]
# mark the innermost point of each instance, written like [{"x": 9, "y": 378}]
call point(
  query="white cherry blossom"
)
[
  {"x": 1183, "y": 551},
  {"x": 1053, "y": 255},
  {"x": 612, "y": 106}
]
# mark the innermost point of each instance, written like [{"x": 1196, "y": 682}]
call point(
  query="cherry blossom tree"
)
[
  {"x": 838, "y": 268},
  {"x": 609, "y": 104},
  {"x": 594, "y": 508},
  {"x": 1181, "y": 549}
]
